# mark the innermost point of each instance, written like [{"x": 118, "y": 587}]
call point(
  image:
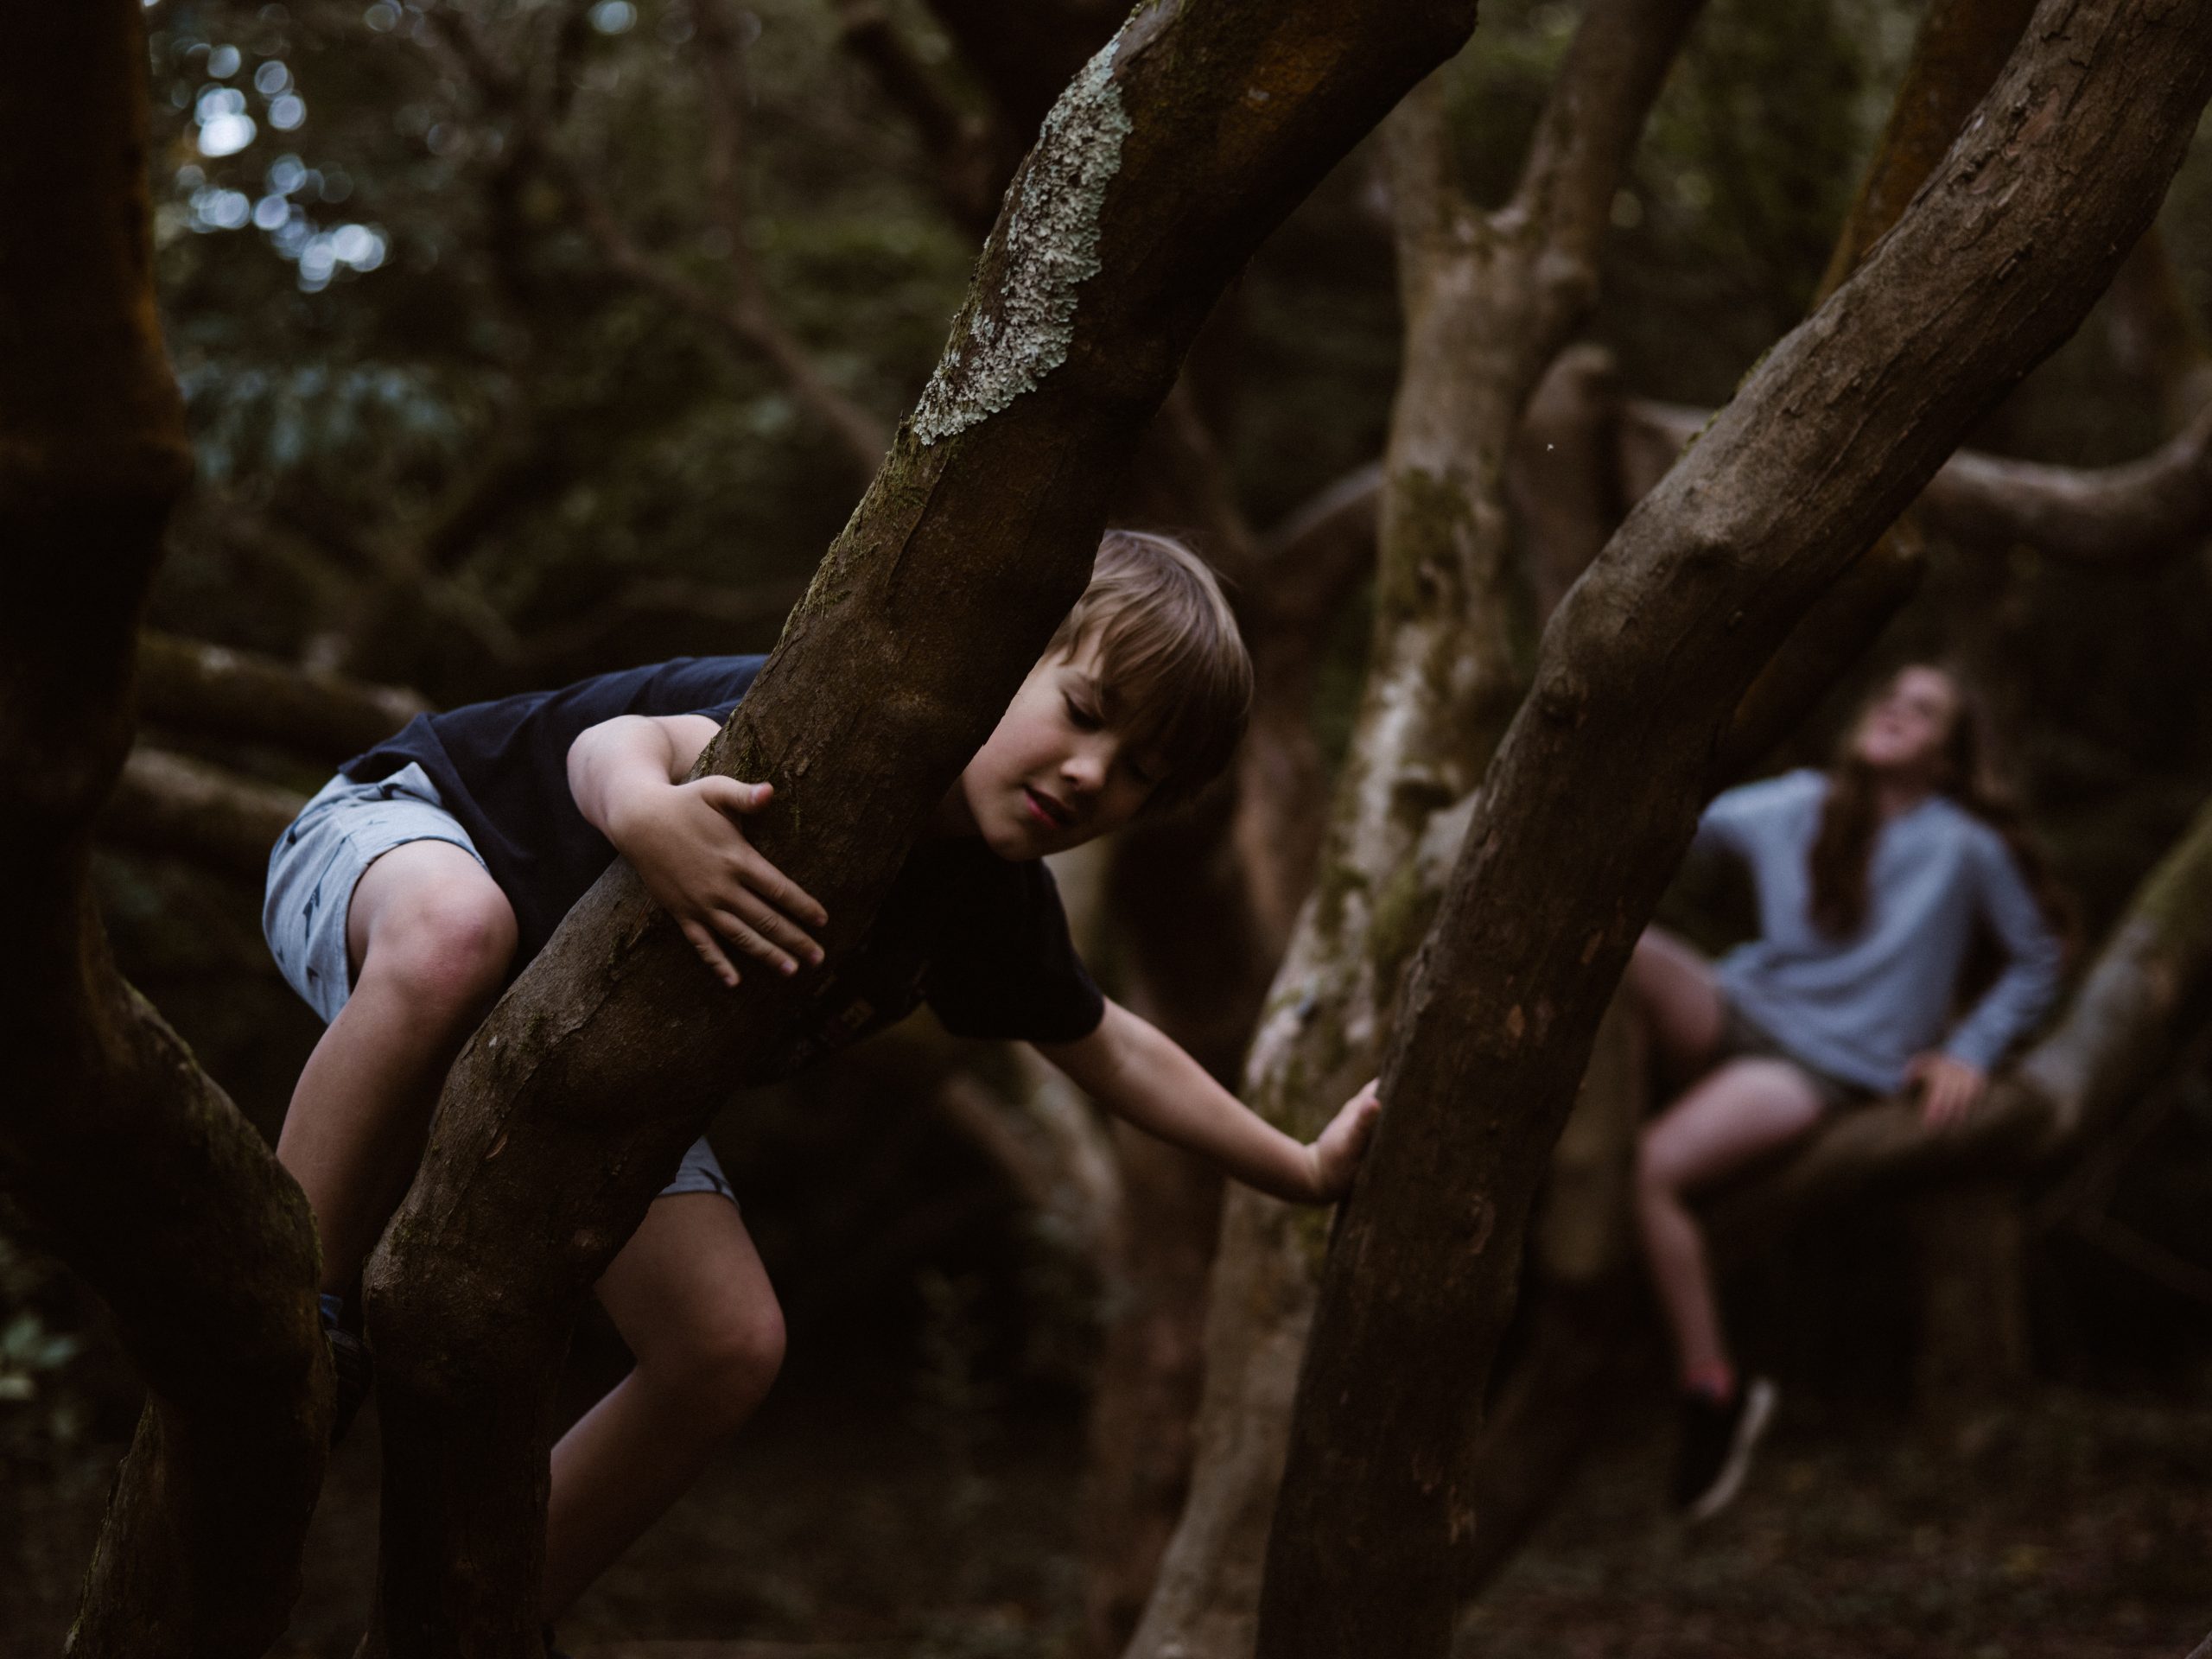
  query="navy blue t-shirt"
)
[{"x": 983, "y": 941}]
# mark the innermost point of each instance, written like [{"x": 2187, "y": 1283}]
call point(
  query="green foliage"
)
[{"x": 41, "y": 1410}]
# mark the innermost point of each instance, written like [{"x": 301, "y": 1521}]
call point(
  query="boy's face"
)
[{"x": 1056, "y": 773}]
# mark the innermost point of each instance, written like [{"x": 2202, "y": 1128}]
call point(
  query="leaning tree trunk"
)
[
  {"x": 1996, "y": 262},
  {"x": 132, "y": 1163},
  {"x": 1172, "y": 153},
  {"x": 1489, "y": 300},
  {"x": 1522, "y": 1456}
]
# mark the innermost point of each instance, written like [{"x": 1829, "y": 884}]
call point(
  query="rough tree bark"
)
[
  {"x": 1997, "y": 260},
  {"x": 1522, "y": 1456},
  {"x": 1172, "y": 153},
  {"x": 1204, "y": 900},
  {"x": 1488, "y": 299},
  {"x": 131, "y": 1163}
]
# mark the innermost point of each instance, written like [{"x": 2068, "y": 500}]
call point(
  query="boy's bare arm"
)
[
  {"x": 628, "y": 777},
  {"x": 1138, "y": 1072}
]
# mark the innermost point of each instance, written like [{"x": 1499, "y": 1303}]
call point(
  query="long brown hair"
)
[{"x": 1851, "y": 818}]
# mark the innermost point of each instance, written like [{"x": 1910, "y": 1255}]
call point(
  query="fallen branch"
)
[
  {"x": 190, "y": 685},
  {"x": 173, "y": 804}
]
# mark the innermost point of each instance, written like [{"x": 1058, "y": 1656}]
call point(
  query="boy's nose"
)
[{"x": 1085, "y": 768}]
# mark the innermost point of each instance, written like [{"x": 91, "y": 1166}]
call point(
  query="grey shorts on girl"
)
[{"x": 313, "y": 870}]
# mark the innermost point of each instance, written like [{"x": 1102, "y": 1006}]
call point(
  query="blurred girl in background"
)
[{"x": 1873, "y": 879}]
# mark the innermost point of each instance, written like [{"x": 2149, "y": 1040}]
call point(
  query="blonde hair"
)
[{"x": 1172, "y": 667}]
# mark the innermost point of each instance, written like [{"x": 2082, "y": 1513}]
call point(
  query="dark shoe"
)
[
  {"x": 551, "y": 1652},
  {"x": 350, "y": 1360},
  {"x": 1718, "y": 1437}
]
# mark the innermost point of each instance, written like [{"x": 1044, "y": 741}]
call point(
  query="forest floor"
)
[{"x": 2070, "y": 1525}]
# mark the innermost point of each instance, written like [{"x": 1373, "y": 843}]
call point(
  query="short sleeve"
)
[{"x": 1009, "y": 968}]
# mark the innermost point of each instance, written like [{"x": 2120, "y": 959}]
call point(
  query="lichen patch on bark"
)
[{"x": 1051, "y": 250}]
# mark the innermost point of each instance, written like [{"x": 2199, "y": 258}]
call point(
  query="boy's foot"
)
[
  {"x": 1718, "y": 1436},
  {"x": 350, "y": 1360},
  {"x": 551, "y": 1652}
]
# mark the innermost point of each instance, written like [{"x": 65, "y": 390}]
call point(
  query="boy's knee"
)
[
  {"x": 446, "y": 952},
  {"x": 721, "y": 1374}
]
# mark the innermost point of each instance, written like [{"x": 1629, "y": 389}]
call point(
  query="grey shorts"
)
[
  {"x": 314, "y": 870},
  {"x": 1741, "y": 1040}
]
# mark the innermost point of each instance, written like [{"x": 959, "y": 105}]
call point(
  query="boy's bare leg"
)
[
  {"x": 430, "y": 936},
  {"x": 1743, "y": 1110},
  {"x": 691, "y": 1298}
]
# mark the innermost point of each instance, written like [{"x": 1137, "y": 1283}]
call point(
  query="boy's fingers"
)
[
  {"x": 779, "y": 889},
  {"x": 772, "y": 924},
  {"x": 741, "y": 934},
  {"x": 704, "y": 942},
  {"x": 734, "y": 794}
]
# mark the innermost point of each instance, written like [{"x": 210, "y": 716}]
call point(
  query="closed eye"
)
[{"x": 1081, "y": 716}]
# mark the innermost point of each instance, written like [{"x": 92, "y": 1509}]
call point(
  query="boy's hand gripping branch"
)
[
  {"x": 1335, "y": 1153},
  {"x": 686, "y": 843}
]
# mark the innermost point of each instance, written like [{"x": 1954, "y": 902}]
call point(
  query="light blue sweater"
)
[{"x": 1859, "y": 1008}]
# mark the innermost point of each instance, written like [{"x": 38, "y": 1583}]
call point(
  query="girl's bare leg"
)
[
  {"x": 1673, "y": 990},
  {"x": 1746, "y": 1110},
  {"x": 691, "y": 1298},
  {"x": 430, "y": 936}
]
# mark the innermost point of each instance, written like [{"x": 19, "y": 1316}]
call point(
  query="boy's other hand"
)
[
  {"x": 687, "y": 845},
  {"x": 1949, "y": 1087},
  {"x": 1337, "y": 1152}
]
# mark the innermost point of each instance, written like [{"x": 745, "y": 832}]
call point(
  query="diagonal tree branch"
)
[
  {"x": 1489, "y": 300},
  {"x": 1157, "y": 176},
  {"x": 1996, "y": 262}
]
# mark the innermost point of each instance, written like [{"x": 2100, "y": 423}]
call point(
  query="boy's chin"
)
[{"x": 1016, "y": 839}]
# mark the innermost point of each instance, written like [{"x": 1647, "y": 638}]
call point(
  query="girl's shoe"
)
[{"x": 1718, "y": 1436}]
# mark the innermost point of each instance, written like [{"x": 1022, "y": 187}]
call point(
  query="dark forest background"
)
[{"x": 492, "y": 385}]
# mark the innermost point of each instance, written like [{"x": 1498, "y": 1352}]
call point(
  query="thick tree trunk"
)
[
  {"x": 137, "y": 1170},
  {"x": 1998, "y": 259},
  {"x": 1971, "y": 1238},
  {"x": 1169, "y": 156},
  {"x": 1205, "y": 902},
  {"x": 1490, "y": 301}
]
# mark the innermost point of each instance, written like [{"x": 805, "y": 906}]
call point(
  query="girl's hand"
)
[
  {"x": 1336, "y": 1154},
  {"x": 1949, "y": 1088},
  {"x": 686, "y": 844}
]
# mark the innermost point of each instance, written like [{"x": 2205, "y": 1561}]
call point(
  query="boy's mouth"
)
[{"x": 1046, "y": 810}]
